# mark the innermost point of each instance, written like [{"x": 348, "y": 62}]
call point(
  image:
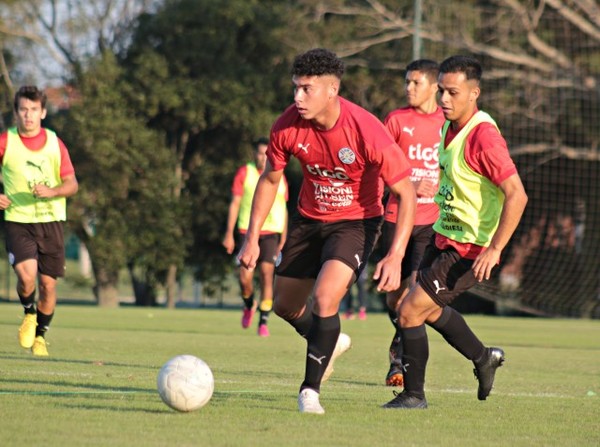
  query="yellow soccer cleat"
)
[
  {"x": 39, "y": 347},
  {"x": 27, "y": 330}
]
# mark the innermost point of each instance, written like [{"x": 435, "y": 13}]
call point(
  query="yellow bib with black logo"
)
[
  {"x": 470, "y": 204},
  {"x": 22, "y": 169}
]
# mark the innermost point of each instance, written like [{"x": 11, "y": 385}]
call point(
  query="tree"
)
[
  {"x": 545, "y": 54},
  {"x": 123, "y": 211},
  {"x": 210, "y": 93}
]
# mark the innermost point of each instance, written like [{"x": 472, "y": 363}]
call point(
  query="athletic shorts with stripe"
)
[
  {"x": 311, "y": 243},
  {"x": 444, "y": 274},
  {"x": 268, "y": 245},
  {"x": 43, "y": 242},
  {"x": 415, "y": 249}
]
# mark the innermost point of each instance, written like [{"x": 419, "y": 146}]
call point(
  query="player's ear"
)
[
  {"x": 474, "y": 93},
  {"x": 334, "y": 88}
]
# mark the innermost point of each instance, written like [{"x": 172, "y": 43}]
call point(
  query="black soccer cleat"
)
[
  {"x": 486, "y": 370},
  {"x": 405, "y": 401}
]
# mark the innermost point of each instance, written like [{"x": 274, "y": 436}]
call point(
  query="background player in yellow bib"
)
[
  {"x": 38, "y": 177},
  {"x": 272, "y": 235}
]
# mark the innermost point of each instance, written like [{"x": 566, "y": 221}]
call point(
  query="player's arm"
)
[
  {"x": 232, "y": 215},
  {"x": 388, "y": 270},
  {"x": 515, "y": 200},
  {"x": 264, "y": 196},
  {"x": 67, "y": 188}
]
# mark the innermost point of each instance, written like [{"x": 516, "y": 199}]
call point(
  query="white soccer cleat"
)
[
  {"x": 344, "y": 342},
  {"x": 308, "y": 402}
]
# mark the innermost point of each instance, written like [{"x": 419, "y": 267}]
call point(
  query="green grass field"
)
[{"x": 97, "y": 388}]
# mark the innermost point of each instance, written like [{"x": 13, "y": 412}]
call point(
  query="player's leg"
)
[
  {"x": 22, "y": 251},
  {"x": 51, "y": 266},
  {"x": 394, "y": 376},
  {"x": 414, "y": 309},
  {"x": 361, "y": 294},
  {"x": 449, "y": 277},
  {"x": 269, "y": 250},
  {"x": 421, "y": 237},
  {"x": 266, "y": 274},
  {"x": 246, "y": 283},
  {"x": 45, "y": 313},
  {"x": 26, "y": 272},
  {"x": 346, "y": 251}
]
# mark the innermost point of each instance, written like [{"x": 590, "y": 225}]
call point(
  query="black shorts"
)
[
  {"x": 444, "y": 274},
  {"x": 415, "y": 249},
  {"x": 41, "y": 241},
  {"x": 311, "y": 243},
  {"x": 268, "y": 245}
]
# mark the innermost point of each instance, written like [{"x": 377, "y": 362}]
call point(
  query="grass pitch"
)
[{"x": 97, "y": 388}]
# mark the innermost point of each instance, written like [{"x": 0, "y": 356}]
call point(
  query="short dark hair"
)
[
  {"x": 32, "y": 93},
  {"x": 462, "y": 64},
  {"x": 318, "y": 62},
  {"x": 427, "y": 66},
  {"x": 259, "y": 141}
]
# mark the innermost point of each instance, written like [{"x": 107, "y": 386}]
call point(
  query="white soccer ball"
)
[{"x": 185, "y": 383}]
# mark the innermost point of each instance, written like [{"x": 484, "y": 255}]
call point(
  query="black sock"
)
[
  {"x": 28, "y": 303},
  {"x": 303, "y": 323},
  {"x": 249, "y": 302},
  {"x": 396, "y": 344},
  {"x": 453, "y": 327},
  {"x": 43, "y": 321},
  {"x": 321, "y": 338},
  {"x": 264, "y": 317},
  {"x": 396, "y": 348},
  {"x": 414, "y": 359}
]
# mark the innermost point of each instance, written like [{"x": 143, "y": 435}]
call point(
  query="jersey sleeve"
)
[
  {"x": 392, "y": 124},
  {"x": 66, "y": 166},
  {"x": 394, "y": 164},
  {"x": 488, "y": 154},
  {"x": 237, "y": 187},
  {"x": 3, "y": 141}
]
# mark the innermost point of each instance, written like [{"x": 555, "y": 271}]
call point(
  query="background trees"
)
[{"x": 173, "y": 91}]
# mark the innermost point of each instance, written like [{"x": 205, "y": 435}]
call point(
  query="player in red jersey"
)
[
  {"x": 416, "y": 128},
  {"x": 38, "y": 177},
  {"x": 481, "y": 200},
  {"x": 344, "y": 152}
]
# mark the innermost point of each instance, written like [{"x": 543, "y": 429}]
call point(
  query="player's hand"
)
[
  {"x": 42, "y": 191},
  {"x": 4, "y": 202},
  {"x": 229, "y": 243},
  {"x": 484, "y": 263},
  {"x": 425, "y": 188},
  {"x": 248, "y": 255},
  {"x": 387, "y": 273}
]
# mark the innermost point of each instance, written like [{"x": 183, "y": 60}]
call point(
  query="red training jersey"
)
[
  {"x": 487, "y": 154},
  {"x": 418, "y": 135},
  {"x": 343, "y": 166},
  {"x": 38, "y": 142}
]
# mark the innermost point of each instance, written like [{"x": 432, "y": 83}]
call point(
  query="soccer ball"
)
[{"x": 185, "y": 383}]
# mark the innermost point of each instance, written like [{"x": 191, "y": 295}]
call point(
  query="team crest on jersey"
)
[{"x": 346, "y": 155}]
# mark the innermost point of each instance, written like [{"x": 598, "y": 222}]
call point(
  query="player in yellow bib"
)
[
  {"x": 38, "y": 177},
  {"x": 272, "y": 236},
  {"x": 481, "y": 200}
]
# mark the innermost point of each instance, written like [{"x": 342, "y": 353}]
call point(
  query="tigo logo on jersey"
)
[{"x": 346, "y": 155}]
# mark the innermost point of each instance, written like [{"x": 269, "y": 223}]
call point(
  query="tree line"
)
[{"x": 170, "y": 94}]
